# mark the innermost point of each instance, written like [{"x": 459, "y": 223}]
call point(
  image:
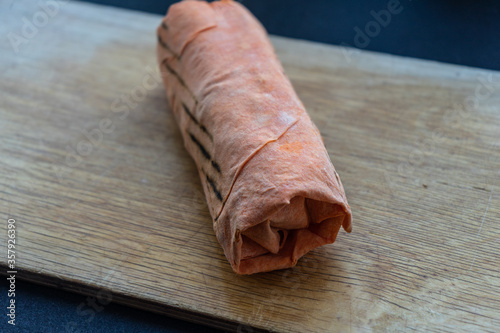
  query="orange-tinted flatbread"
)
[{"x": 271, "y": 188}]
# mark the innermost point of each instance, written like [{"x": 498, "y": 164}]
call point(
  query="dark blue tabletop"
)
[{"x": 458, "y": 32}]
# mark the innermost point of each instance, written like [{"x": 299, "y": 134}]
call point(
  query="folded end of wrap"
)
[{"x": 293, "y": 230}]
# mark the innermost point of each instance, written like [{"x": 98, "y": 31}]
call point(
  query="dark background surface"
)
[
  {"x": 454, "y": 31},
  {"x": 459, "y": 32}
]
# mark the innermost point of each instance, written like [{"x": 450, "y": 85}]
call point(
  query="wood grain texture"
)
[{"x": 124, "y": 211}]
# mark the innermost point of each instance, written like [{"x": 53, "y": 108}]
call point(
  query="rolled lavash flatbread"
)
[{"x": 271, "y": 188}]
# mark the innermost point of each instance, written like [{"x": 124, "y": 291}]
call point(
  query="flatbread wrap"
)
[{"x": 272, "y": 191}]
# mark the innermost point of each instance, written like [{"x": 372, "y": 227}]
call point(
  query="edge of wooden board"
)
[{"x": 130, "y": 301}]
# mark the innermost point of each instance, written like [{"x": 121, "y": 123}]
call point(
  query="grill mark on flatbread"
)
[
  {"x": 179, "y": 78},
  {"x": 190, "y": 114},
  {"x": 216, "y": 166},
  {"x": 166, "y": 47},
  {"x": 214, "y": 188},
  {"x": 202, "y": 127},
  {"x": 193, "y": 118},
  {"x": 210, "y": 184},
  {"x": 204, "y": 152}
]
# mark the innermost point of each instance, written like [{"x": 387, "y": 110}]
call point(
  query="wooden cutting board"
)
[{"x": 108, "y": 203}]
